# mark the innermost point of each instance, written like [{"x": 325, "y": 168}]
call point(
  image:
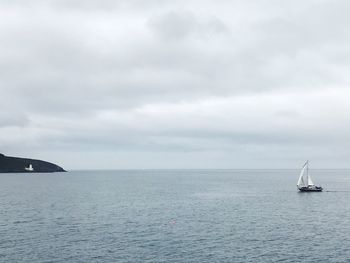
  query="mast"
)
[{"x": 307, "y": 172}]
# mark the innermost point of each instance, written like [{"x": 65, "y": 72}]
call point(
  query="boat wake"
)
[{"x": 335, "y": 191}]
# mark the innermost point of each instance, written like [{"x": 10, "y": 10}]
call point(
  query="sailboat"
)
[{"x": 305, "y": 183}]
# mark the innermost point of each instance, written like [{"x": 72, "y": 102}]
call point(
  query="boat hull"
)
[{"x": 311, "y": 189}]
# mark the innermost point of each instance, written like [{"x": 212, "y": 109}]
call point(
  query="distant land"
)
[{"x": 24, "y": 165}]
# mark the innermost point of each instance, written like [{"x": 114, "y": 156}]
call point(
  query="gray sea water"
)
[{"x": 174, "y": 216}]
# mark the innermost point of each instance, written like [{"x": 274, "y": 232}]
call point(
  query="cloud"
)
[
  {"x": 178, "y": 26},
  {"x": 184, "y": 80}
]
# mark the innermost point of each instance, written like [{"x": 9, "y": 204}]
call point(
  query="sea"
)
[{"x": 174, "y": 216}]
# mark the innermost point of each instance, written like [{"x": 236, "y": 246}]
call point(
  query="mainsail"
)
[{"x": 305, "y": 179}]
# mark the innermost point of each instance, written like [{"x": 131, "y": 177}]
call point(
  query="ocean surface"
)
[{"x": 174, "y": 216}]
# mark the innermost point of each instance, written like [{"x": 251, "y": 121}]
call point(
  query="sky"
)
[{"x": 130, "y": 84}]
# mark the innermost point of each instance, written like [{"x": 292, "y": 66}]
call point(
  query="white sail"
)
[
  {"x": 305, "y": 182},
  {"x": 302, "y": 182},
  {"x": 309, "y": 181}
]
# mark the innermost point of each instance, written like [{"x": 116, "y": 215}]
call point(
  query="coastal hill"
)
[{"x": 23, "y": 165}]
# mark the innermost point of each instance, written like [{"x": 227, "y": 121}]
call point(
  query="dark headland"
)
[{"x": 24, "y": 165}]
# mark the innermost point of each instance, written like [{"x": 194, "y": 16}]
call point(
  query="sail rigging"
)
[
  {"x": 304, "y": 178},
  {"x": 305, "y": 182}
]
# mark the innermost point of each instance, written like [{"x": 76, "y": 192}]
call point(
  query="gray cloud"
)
[
  {"x": 178, "y": 26},
  {"x": 175, "y": 84}
]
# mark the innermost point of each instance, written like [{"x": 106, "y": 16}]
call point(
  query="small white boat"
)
[
  {"x": 30, "y": 168},
  {"x": 305, "y": 183}
]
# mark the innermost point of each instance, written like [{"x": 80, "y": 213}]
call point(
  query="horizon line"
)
[{"x": 124, "y": 169}]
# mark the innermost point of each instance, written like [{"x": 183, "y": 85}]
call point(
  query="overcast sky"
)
[{"x": 176, "y": 84}]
